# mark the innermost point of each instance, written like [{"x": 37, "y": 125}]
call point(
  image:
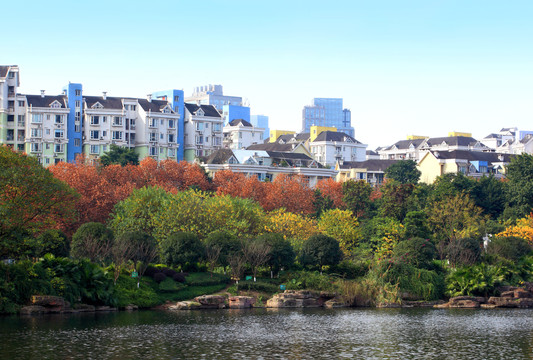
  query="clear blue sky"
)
[{"x": 403, "y": 67}]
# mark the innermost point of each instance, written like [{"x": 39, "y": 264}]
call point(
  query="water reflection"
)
[{"x": 272, "y": 334}]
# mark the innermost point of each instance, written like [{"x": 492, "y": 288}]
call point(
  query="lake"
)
[{"x": 272, "y": 334}]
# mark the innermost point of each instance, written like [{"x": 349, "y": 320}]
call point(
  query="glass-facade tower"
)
[{"x": 327, "y": 112}]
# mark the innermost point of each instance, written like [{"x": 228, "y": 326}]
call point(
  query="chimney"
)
[
  {"x": 149, "y": 96},
  {"x": 104, "y": 94},
  {"x": 65, "y": 92},
  {"x": 42, "y": 93}
]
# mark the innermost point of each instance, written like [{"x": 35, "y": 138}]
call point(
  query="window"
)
[
  {"x": 78, "y": 103},
  {"x": 21, "y": 119},
  {"x": 78, "y": 92},
  {"x": 153, "y": 151},
  {"x": 132, "y": 123},
  {"x": 261, "y": 136},
  {"x": 171, "y": 138},
  {"x": 55, "y": 105},
  {"x": 59, "y": 119},
  {"x": 171, "y": 124},
  {"x": 240, "y": 135},
  {"x": 199, "y": 126},
  {"x": 117, "y": 121},
  {"x": 104, "y": 148},
  {"x": 162, "y": 122},
  {"x": 95, "y": 149},
  {"x": 58, "y": 134},
  {"x": 47, "y": 131},
  {"x": 207, "y": 125},
  {"x": 216, "y": 127},
  {"x": 152, "y": 123},
  {"x": 36, "y": 132},
  {"x": 10, "y": 135},
  {"x": 77, "y": 128},
  {"x": 199, "y": 140},
  {"x": 104, "y": 133},
  {"x": 217, "y": 141},
  {"x": 160, "y": 150},
  {"x": 176, "y": 98},
  {"x": 117, "y": 135},
  {"x": 21, "y": 103},
  {"x": 95, "y": 120},
  {"x": 95, "y": 135},
  {"x": 153, "y": 136},
  {"x": 47, "y": 146},
  {"x": 58, "y": 148},
  {"x": 104, "y": 119},
  {"x": 77, "y": 142},
  {"x": 37, "y": 118},
  {"x": 171, "y": 152},
  {"x": 161, "y": 136},
  {"x": 47, "y": 161},
  {"x": 35, "y": 147},
  {"x": 11, "y": 75}
]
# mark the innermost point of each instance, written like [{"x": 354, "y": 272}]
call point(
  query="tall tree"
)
[
  {"x": 520, "y": 187},
  {"x": 332, "y": 189},
  {"x": 403, "y": 171},
  {"x": 356, "y": 196},
  {"x": 320, "y": 250},
  {"x": 119, "y": 155}
]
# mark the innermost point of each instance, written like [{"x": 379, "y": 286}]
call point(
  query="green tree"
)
[
  {"x": 489, "y": 194},
  {"x": 404, "y": 172},
  {"x": 395, "y": 199},
  {"x": 321, "y": 203},
  {"x": 342, "y": 226},
  {"x": 93, "y": 241},
  {"x": 415, "y": 251},
  {"x": 520, "y": 186},
  {"x": 53, "y": 242},
  {"x": 416, "y": 225},
  {"x": 119, "y": 155},
  {"x": 182, "y": 248},
  {"x": 139, "y": 247},
  {"x": 281, "y": 255},
  {"x": 356, "y": 195},
  {"x": 320, "y": 250},
  {"x": 31, "y": 199},
  {"x": 226, "y": 242}
]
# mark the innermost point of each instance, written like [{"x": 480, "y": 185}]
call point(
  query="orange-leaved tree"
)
[
  {"x": 332, "y": 189},
  {"x": 289, "y": 192}
]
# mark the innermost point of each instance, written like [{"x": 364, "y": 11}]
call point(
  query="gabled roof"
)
[
  {"x": 4, "y": 70},
  {"x": 153, "y": 106},
  {"x": 46, "y": 101},
  {"x": 221, "y": 156},
  {"x": 493, "y": 136},
  {"x": 111, "y": 103},
  {"x": 335, "y": 136},
  {"x": 527, "y": 138},
  {"x": 237, "y": 122},
  {"x": 404, "y": 144},
  {"x": 472, "y": 155},
  {"x": 209, "y": 110},
  {"x": 272, "y": 147},
  {"x": 292, "y": 159},
  {"x": 371, "y": 152},
  {"x": 370, "y": 165},
  {"x": 453, "y": 141}
]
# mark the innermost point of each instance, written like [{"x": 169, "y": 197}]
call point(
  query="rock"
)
[
  {"x": 211, "y": 301},
  {"x": 48, "y": 301},
  {"x": 84, "y": 308},
  {"x": 334, "y": 303},
  {"x": 442, "y": 306},
  {"x": 522, "y": 294},
  {"x": 185, "y": 305},
  {"x": 488, "y": 306},
  {"x": 105, "y": 308},
  {"x": 32, "y": 309},
  {"x": 388, "y": 305},
  {"x": 241, "y": 302},
  {"x": 465, "y": 302},
  {"x": 503, "y": 301},
  {"x": 508, "y": 294},
  {"x": 422, "y": 304},
  {"x": 131, "y": 307},
  {"x": 294, "y": 299}
]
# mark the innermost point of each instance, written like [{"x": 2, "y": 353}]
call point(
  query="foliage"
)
[
  {"x": 356, "y": 196},
  {"x": 256, "y": 253},
  {"x": 227, "y": 243},
  {"x": 523, "y": 229},
  {"x": 159, "y": 277},
  {"x": 416, "y": 225},
  {"x": 281, "y": 254},
  {"x": 235, "y": 184},
  {"x": 404, "y": 172},
  {"x": 321, "y": 203},
  {"x": 309, "y": 280},
  {"x": 394, "y": 201},
  {"x": 465, "y": 251},
  {"x": 289, "y": 192},
  {"x": 489, "y": 194},
  {"x": 182, "y": 248},
  {"x": 169, "y": 285},
  {"x": 481, "y": 279},
  {"x": 384, "y": 234},
  {"x": 93, "y": 241},
  {"x": 127, "y": 292},
  {"x": 320, "y": 250},
  {"x": 119, "y": 155},
  {"x": 30, "y": 197},
  {"x": 343, "y": 226},
  {"x": 511, "y": 248},
  {"x": 52, "y": 241},
  {"x": 520, "y": 183},
  {"x": 294, "y": 227},
  {"x": 415, "y": 251}
]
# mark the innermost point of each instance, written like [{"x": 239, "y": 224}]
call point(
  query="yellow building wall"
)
[
  {"x": 275, "y": 134},
  {"x": 303, "y": 150},
  {"x": 416, "y": 137},
  {"x": 430, "y": 168},
  {"x": 457, "y": 133},
  {"x": 316, "y": 130}
]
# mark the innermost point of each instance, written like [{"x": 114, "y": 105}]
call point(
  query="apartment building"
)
[
  {"x": 239, "y": 134},
  {"x": 203, "y": 130}
]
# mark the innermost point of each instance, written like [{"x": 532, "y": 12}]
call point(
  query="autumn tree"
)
[
  {"x": 293, "y": 227},
  {"x": 289, "y": 192},
  {"x": 342, "y": 226},
  {"x": 31, "y": 199},
  {"x": 333, "y": 190},
  {"x": 174, "y": 176},
  {"x": 227, "y": 182}
]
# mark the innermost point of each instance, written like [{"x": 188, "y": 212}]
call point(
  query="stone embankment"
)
[
  {"x": 510, "y": 297},
  {"x": 46, "y": 304}
]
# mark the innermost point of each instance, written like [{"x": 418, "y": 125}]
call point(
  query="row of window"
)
[
  {"x": 100, "y": 135},
  {"x": 38, "y": 133},
  {"x": 38, "y": 118},
  {"x": 200, "y": 126},
  {"x": 37, "y": 147},
  {"x": 204, "y": 140}
]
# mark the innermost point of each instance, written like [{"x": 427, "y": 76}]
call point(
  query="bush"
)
[
  {"x": 169, "y": 285},
  {"x": 207, "y": 279},
  {"x": 53, "y": 242},
  {"x": 159, "y": 277},
  {"x": 92, "y": 241},
  {"x": 151, "y": 271},
  {"x": 169, "y": 272},
  {"x": 351, "y": 269},
  {"x": 463, "y": 252},
  {"x": 511, "y": 248},
  {"x": 126, "y": 293},
  {"x": 179, "y": 277},
  {"x": 306, "y": 280},
  {"x": 320, "y": 250},
  {"x": 415, "y": 251},
  {"x": 182, "y": 248},
  {"x": 479, "y": 280}
]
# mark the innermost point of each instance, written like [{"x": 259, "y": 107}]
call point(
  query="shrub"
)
[
  {"x": 415, "y": 251},
  {"x": 159, "y": 277},
  {"x": 169, "y": 272},
  {"x": 480, "y": 279},
  {"x": 463, "y": 252},
  {"x": 151, "y": 271},
  {"x": 53, "y": 242},
  {"x": 320, "y": 250},
  {"x": 511, "y": 248},
  {"x": 179, "y": 277},
  {"x": 169, "y": 285},
  {"x": 258, "y": 286},
  {"x": 93, "y": 241},
  {"x": 309, "y": 280},
  {"x": 351, "y": 269},
  {"x": 182, "y": 248}
]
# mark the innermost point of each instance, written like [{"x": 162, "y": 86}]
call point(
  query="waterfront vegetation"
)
[{"x": 80, "y": 230}]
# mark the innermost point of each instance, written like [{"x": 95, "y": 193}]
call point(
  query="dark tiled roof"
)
[
  {"x": 236, "y": 122},
  {"x": 39, "y": 101},
  {"x": 472, "y": 155},
  {"x": 153, "y": 106},
  {"x": 371, "y": 152},
  {"x": 370, "y": 165},
  {"x": 272, "y": 147},
  {"x": 335, "y": 136},
  {"x": 404, "y": 144},
  {"x": 209, "y": 110},
  {"x": 3, "y": 71},
  {"x": 221, "y": 156},
  {"x": 114, "y": 103},
  {"x": 292, "y": 159},
  {"x": 493, "y": 136},
  {"x": 452, "y": 141}
]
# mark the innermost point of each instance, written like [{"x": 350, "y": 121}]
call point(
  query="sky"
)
[{"x": 403, "y": 68}]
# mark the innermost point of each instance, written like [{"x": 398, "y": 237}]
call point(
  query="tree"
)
[
  {"x": 356, "y": 196},
  {"x": 289, "y": 192},
  {"x": 139, "y": 247},
  {"x": 235, "y": 184},
  {"x": 293, "y": 227},
  {"x": 520, "y": 186},
  {"x": 404, "y": 172},
  {"x": 256, "y": 254},
  {"x": 228, "y": 244},
  {"x": 93, "y": 241},
  {"x": 121, "y": 253},
  {"x": 321, "y": 203},
  {"x": 333, "y": 190},
  {"x": 342, "y": 226},
  {"x": 416, "y": 251},
  {"x": 416, "y": 225},
  {"x": 119, "y": 155},
  {"x": 52, "y": 241},
  {"x": 523, "y": 229},
  {"x": 395, "y": 199},
  {"x": 489, "y": 194},
  {"x": 281, "y": 252},
  {"x": 182, "y": 248},
  {"x": 31, "y": 199},
  {"x": 320, "y": 250}
]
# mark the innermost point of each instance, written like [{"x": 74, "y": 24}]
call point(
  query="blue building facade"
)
[
  {"x": 74, "y": 93},
  {"x": 176, "y": 99},
  {"x": 327, "y": 112},
  {"x": 232, "y": 112},
  {"x": 261, "y": 121}
]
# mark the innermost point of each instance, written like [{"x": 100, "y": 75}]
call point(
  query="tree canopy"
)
[
  {"x": 119, "y": 155},
  {"x": 403, "y": 171}
]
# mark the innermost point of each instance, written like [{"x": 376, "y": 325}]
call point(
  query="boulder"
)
[
  {"x": 294, "y": 299},
  {"x": 32, "y": 309},
  {"x": 442, "y": 306},
  {"x": 185, "y": 305},
  {"x": 241, "y": 302},
  {"x": 48, "y": 301},
  {"x": 503, "y": 301},
  {"x": 488, "y": 306},
  {"x": 522, "y": 294},
  {"x": 334, "y": 303},
  {"x": 465, "y": 302},
  {"x": 211, "y": 301},
  {"x": 131, "y": 307}
]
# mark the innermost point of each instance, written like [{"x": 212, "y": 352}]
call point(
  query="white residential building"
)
[
  {"x": 203, "y": 130},
  {"x": 239, "y": 134},
  {"x": 330, "y": 147}
]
